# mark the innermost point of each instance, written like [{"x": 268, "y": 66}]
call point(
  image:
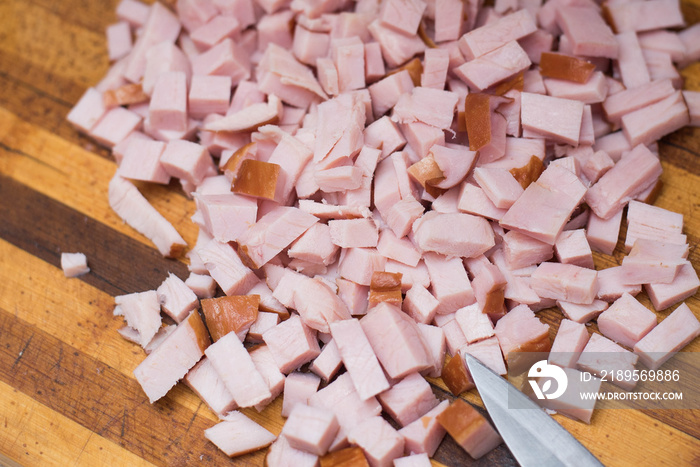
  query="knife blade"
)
[{"x": 533, "y": 437}]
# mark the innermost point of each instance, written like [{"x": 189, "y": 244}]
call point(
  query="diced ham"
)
[
  {"x": 387, "y": 328},
  {"x": 359, "y": 358},
  {"x": 298, "y": 388},
  {"x": 424, "y": 434},
  {"x": 568, "y": 344},
  {"x": 74, "y": 264},
  {"x": 552, "y": 117},
  {"x": 237, "y": 435},
  {"x": 631, "y": 175},
  {"x": 484, "y": 39},
  {"x": 234, "y": 313},
  {"x": 602, "y": 234},
  {"x": 172, "y": 359},
  {"x": 310, "y": 429},
  {"x": 493, "y": 67},
  {"x": 475, "y": 324},
  {"x": 586, "y": 29},
  {"x": 397, "y": 47},
  {"x": 626, "y": 321},
  {"x": 662, "y": 342},
  {"x": 237, "y": 370},
  {"x": 666, "y": 115},
  {"x": 684, "y": 285},
  {"x": 408, "y": 400},
  {"x": 602, "y": 356},
  {"x": 626, "y": 101},
  {"x": 440, "y": 233},
  {"x": 113, "y": 127},
  {"x": 226, "y": 267},
  {"x": 353, "y": 233},
  {"x": 141, "y": 311},
  {"x": 565, "y": 282},
  {"x": 518, "y": 332},
  {"x": 572, "y": 247},
  {"x": 646, "y": 16},
  {"x": 292, "y": 344},
  {"x": 281, "y": 454},
  {"x": 380, "y": 442},
  {"x": 450, "y": 284},
  {"x": 499, "y": 185},
  {"x": 204, "y": 380},
  {"x": 358, "y": 264},
  {"x": 328, "y": 362},
  {"x": 650, "y": 261},
  {"x": 420, "y": 304},
  {"x": 582, "y": 313},
  {"x": 176, "y": 298},
  {"x": 469, "y": 428}
]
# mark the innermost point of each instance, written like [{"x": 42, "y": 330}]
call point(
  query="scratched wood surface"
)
[{"x": 67, "y": 392}]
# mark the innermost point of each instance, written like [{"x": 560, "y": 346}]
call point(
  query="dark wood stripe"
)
[
  {"x": 682, "y": 149},
  {"x": 44, "y": 227},
  {"x": 100, "y": 398}
]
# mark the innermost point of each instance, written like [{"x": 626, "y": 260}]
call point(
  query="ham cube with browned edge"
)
[
  {"x": 380, "y": 442},
  {"x": 424, "y": 434},
  {"x": 310, "y": 429},
  {"x": 235, "y": 313},
  {"x": 172, "y": 359},
  {"x": 409, "y": 399},
  {"x": 520, "y": 332},
  {"x": 469, "y": 429}
]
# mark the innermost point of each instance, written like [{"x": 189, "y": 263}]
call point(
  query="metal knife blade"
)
[{"x": 533, "y": 437}]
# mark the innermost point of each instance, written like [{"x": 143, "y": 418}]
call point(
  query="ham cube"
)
[
  {"x": 684, "y": 285},
  {"x": 386, "y": 92},
  {"x": 348, "y": 55},
  {"x": 450, "y": 284},
  {"x": 435, "y": 66},
  {"x": 272, "y": 233},
  {"x": 397, "y": 47},
  {"x": 114, "y": 126},
  {"x": 396, "y": 341},
  {"x": 552, "y": 117},
  {"x": 133, "y": 11},
  {"x": 226, "y": 217},
  {"x": 226, "y": 267},
  {"x": 292, "y": 344},
  {"x": 310, "y": 429},
  {"x": 484, "y": 39},
  {"x": 237, "y": 370},
  {"x": 142, "y": 312},
  {"x": 328, "y": 362},
  {"x": 456, "y": 376},
  {"x": 168, "y": 106},
  {"x": 646, "y": 16},
  {"x": 602, "y": 234},
  {"x": 669, "y": 115},
  {"x": 74, "y": 264},
  {"x": 176, "y": 298},
  {"x": 469, "y": 429},
  {"x": 434, "y": 107},
  {"x": 672, "y": 334},
  {"x": 565, "y": 282},
  {"x": 434, "y": 338},
  {"x": 238, "y": 435},
  {"x": 572, "y": 247},
  {"x": 402, "y": 15},
  {"x": 494, "y": 67},
  {"x": 475, "y": 324},
  {"x": 590, "y": 36},
  {"x": 449, "y": 15},
  {"x": 568, "y": 344},
  {"x": 414, "y": 460},
  {"x": 209, "y": 94},
  {"x": 358, "y": 264},
  {"x": 186, "y": 160},
  {"x": 341, "y": 397},
  {"x": 354, "y": 233},
  {"x": 206, "y": 383},
  {"x": 118, "y": 40},
  {"x": 224, "y": 59},
  {"x": 631, "y": 175},
  {"x": 499, "y": 185},
  {"x": 629, "y": 100},
  {"x": 420, "y": 304},
  {"x": 234, "y": 313},
  {"x": 602, "y": 356},
  {"x": 203, "y": 285},
  {"x": 298, "y": 388},
  {"x": 592, "y": 91},
  {"x": 611, "y": 286},
  {"x": 583, "y": 313},
  {"x": 317, "y": 304},
  {"x": 359, "y": 358},
  {"x": 281, "y": 454},
  {"x": 520, "y": 331},
  {"x": 173, "y": 358},
  {"x": 440, "y": 233},
  {"x": 651, "y": 261},
  {"x": 692, "y": 100},
  {"x": 271, "y": 375},
  {"x": 473, "y": 200},
  {"x": 380, "y": 442},
  {"x": 409, "y": 399},
  {"x": 424, "y": 434},
  {"x": 626, "y": 321},
  {"x": 88, "y": 111},
  {"x": 398, "y": 249},
  {"x": 315, "y": 245}
]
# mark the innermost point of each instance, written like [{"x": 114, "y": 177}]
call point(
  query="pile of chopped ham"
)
[{"x": 379, "y": 184}]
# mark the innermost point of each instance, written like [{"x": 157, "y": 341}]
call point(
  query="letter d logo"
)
[{"x": 542, "y": 369}]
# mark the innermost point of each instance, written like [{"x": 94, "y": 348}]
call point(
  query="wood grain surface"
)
[{"x": 67, "y": 392}]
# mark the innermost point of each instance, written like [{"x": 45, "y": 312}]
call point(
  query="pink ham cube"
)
[
  {"x": 424, "y": 434},
  {"x": 449, "y": 282},
  {"x": 168, "y": 107},
  {"x": 626, "y": 321},
  {"x": 186, "y": 160},
  {"x": 568, "y": 344},
  {"x": 380, "y": 442},
  {"x": 310, "y": 429},
  {"x": 672, "y": 334},
  {"x": 396, "y": 341},
  {"x": 292, "y": 344},
  {"x": 409, "y": 399},
  {"x": 208, "y": 95},
  {"x": 565, "y": 282},
  {"x": 441, "y": 233}
]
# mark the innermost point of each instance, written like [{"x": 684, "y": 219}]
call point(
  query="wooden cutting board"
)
[{"x": 67, "y": 393}]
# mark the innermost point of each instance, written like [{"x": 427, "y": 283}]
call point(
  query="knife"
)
[{"x": 533, "y": 437}]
